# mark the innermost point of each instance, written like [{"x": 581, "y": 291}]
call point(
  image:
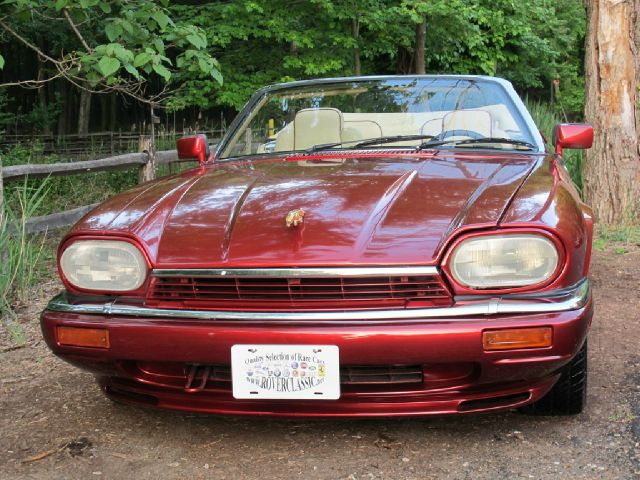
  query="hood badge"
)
[{"x": 294, "y": 218}]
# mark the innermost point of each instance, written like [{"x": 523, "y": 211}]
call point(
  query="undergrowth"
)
[
  {"x": 622, "y": 238},
  {"x": 20, "y": 254},
  {"x": 546, "y": 119}
]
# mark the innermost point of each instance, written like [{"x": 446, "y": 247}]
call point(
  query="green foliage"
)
[
  {"x": 19, "y": 251},
  {"x": 259, "y": 42},
  {"x": 546, "y": 119},
  {"x": 113, "y": 43},
  {"x": 622, "y": 238}
]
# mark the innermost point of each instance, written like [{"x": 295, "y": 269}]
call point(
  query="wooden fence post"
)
[{"x": 148, "y": 171}]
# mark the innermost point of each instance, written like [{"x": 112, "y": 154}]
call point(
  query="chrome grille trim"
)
[
  {"x": 573, "y": 300},
  {"x": 297, "y": 272}
]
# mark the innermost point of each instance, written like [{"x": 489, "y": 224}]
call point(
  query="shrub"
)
[{"x": 546, "y": 119}]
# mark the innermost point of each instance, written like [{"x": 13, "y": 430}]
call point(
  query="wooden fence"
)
[
  {"x": 91, "y": 145},
  {"x": 145, "y": 160}
]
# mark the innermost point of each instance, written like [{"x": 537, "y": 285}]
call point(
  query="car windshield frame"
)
[{"x": 252, "y": 107}]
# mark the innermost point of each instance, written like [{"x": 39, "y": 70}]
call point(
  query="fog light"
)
[
  {"x": 83, "y": 337},
  {"x": 515, "y": 338}
]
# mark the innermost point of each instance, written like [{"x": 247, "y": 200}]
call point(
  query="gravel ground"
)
[{"x": 54, "y": 423}]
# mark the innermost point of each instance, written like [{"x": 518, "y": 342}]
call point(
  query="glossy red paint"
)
[
  {"x": 500, "y": 379},
  {"x": 393, "y": 210},
  {"x": 194, "y": 147},
  {"x": 572, "y": 135}
]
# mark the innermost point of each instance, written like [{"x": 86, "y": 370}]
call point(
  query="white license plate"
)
[{"x": 309, "y": 372}]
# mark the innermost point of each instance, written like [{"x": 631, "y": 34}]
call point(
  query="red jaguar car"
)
[{"x": 370, "y": 246}]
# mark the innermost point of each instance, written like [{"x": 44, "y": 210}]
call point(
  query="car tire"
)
[{"x": 569, "y": 395}]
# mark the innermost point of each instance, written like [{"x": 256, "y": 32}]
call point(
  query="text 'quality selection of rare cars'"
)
[{"x": 367, "y": 246}]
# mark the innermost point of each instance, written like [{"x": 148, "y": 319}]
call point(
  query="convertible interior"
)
[{"x": 316, "y": 126}]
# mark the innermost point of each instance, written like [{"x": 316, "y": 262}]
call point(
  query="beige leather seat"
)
[
  {"x": 431, "y": 127},
  {"x": 315, "y": 126},
  {"x": 361, "y": 130},
  {"x": 477, "y": 121}
]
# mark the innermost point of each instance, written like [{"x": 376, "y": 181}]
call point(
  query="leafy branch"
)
[{"x": 137, "y": 47}]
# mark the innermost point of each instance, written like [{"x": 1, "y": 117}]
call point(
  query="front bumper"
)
[{"x": 146, "y": 345}]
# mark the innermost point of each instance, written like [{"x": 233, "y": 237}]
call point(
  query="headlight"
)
[
  {"x": 500, "y": 261},
  {"x": 110, "y": 265}
]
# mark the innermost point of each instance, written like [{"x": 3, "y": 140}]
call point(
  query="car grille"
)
[
  {"x": 193, "y": 378},
  {"x": 200, "y": 377},
  {"x": 293, "y": 293},
  {"x": 380, "y": 374}
]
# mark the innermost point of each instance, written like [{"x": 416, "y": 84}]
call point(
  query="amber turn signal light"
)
[
  {"x": 83, "y": 337},
  {"x": 514, "y": 338}
]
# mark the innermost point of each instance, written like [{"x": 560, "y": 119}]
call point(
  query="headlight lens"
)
[
  {"x": 500, "y": 261},
  {"x": 110, "y": 265}
]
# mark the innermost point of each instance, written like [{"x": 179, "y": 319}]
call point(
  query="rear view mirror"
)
[
  {"x": 572, "y": 135},
  {"x": 194, "y": 147}
]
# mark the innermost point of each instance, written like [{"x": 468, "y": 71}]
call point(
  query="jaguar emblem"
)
[{"x": 294, "y": 218}]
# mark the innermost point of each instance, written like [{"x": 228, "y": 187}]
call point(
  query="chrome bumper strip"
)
[
  {"x": 297, "y": 272},
  {"x": 573, "y": 300}
]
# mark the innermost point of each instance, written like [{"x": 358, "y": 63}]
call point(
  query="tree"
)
[
  {"x": 131, "y": 47},
  {"x": 612, "y": 166},
  {"x": 259, "y": 42}
]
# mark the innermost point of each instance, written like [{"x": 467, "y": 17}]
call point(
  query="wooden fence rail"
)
[
  {"x": 39, "y": 170},
  {"x": 69, "y": 217},
  {"x": 92, "y": 145}
]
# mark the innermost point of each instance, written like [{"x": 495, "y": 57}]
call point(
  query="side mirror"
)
[
  {"x": 572, "y": 135},
  {"x": 195, "y": 147}
]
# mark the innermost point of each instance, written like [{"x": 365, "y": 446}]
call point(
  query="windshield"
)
[{"x": 382, "y": 113}]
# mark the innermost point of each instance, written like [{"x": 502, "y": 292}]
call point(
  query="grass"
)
[
  {"x": 547, "y": 119},
  {"x": 20, "y": 255},
  {"x": 621, "y": 239}
]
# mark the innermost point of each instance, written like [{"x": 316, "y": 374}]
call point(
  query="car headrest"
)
[
  {"x": 314, "y": 126},
  {"x": 479, "y": 121}
]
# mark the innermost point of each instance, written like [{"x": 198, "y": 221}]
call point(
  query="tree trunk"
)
[
  {"x": 104, "y": 112},
  {"x": 612, "y": 166},
  {"x": 113, "y": 112},
  {"x": 65, "y": 100},
  {"x": 404, "y": 61},
  {"x": 355, "y": 32},
  {"x": 84, "y": 111},
  {"x": 42, "y": 101},
  {"x": 421, "y": 37}
]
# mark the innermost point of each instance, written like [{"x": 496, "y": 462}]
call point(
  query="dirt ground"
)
[{"x": 54, "y": 423}]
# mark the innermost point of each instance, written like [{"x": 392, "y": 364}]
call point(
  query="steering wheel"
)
[{"x": 458, "y": 133}]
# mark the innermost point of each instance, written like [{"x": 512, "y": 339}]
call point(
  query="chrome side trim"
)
[
  {"x": 296, "y": 272},
  {"x": 576, "y": 299}
]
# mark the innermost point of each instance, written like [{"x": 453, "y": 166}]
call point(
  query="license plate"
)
[{"x": 301, "y": 372}]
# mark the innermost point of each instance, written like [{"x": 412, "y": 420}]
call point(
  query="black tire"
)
[{"x": 569, "y": 395}]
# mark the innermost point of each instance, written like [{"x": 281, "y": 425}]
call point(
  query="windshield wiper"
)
[
  {"x": 369, "y": 141},
  {"x": 472, "y": 141}
]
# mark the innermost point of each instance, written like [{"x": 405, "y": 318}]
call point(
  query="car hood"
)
[{"x": 361, "y": 209}]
